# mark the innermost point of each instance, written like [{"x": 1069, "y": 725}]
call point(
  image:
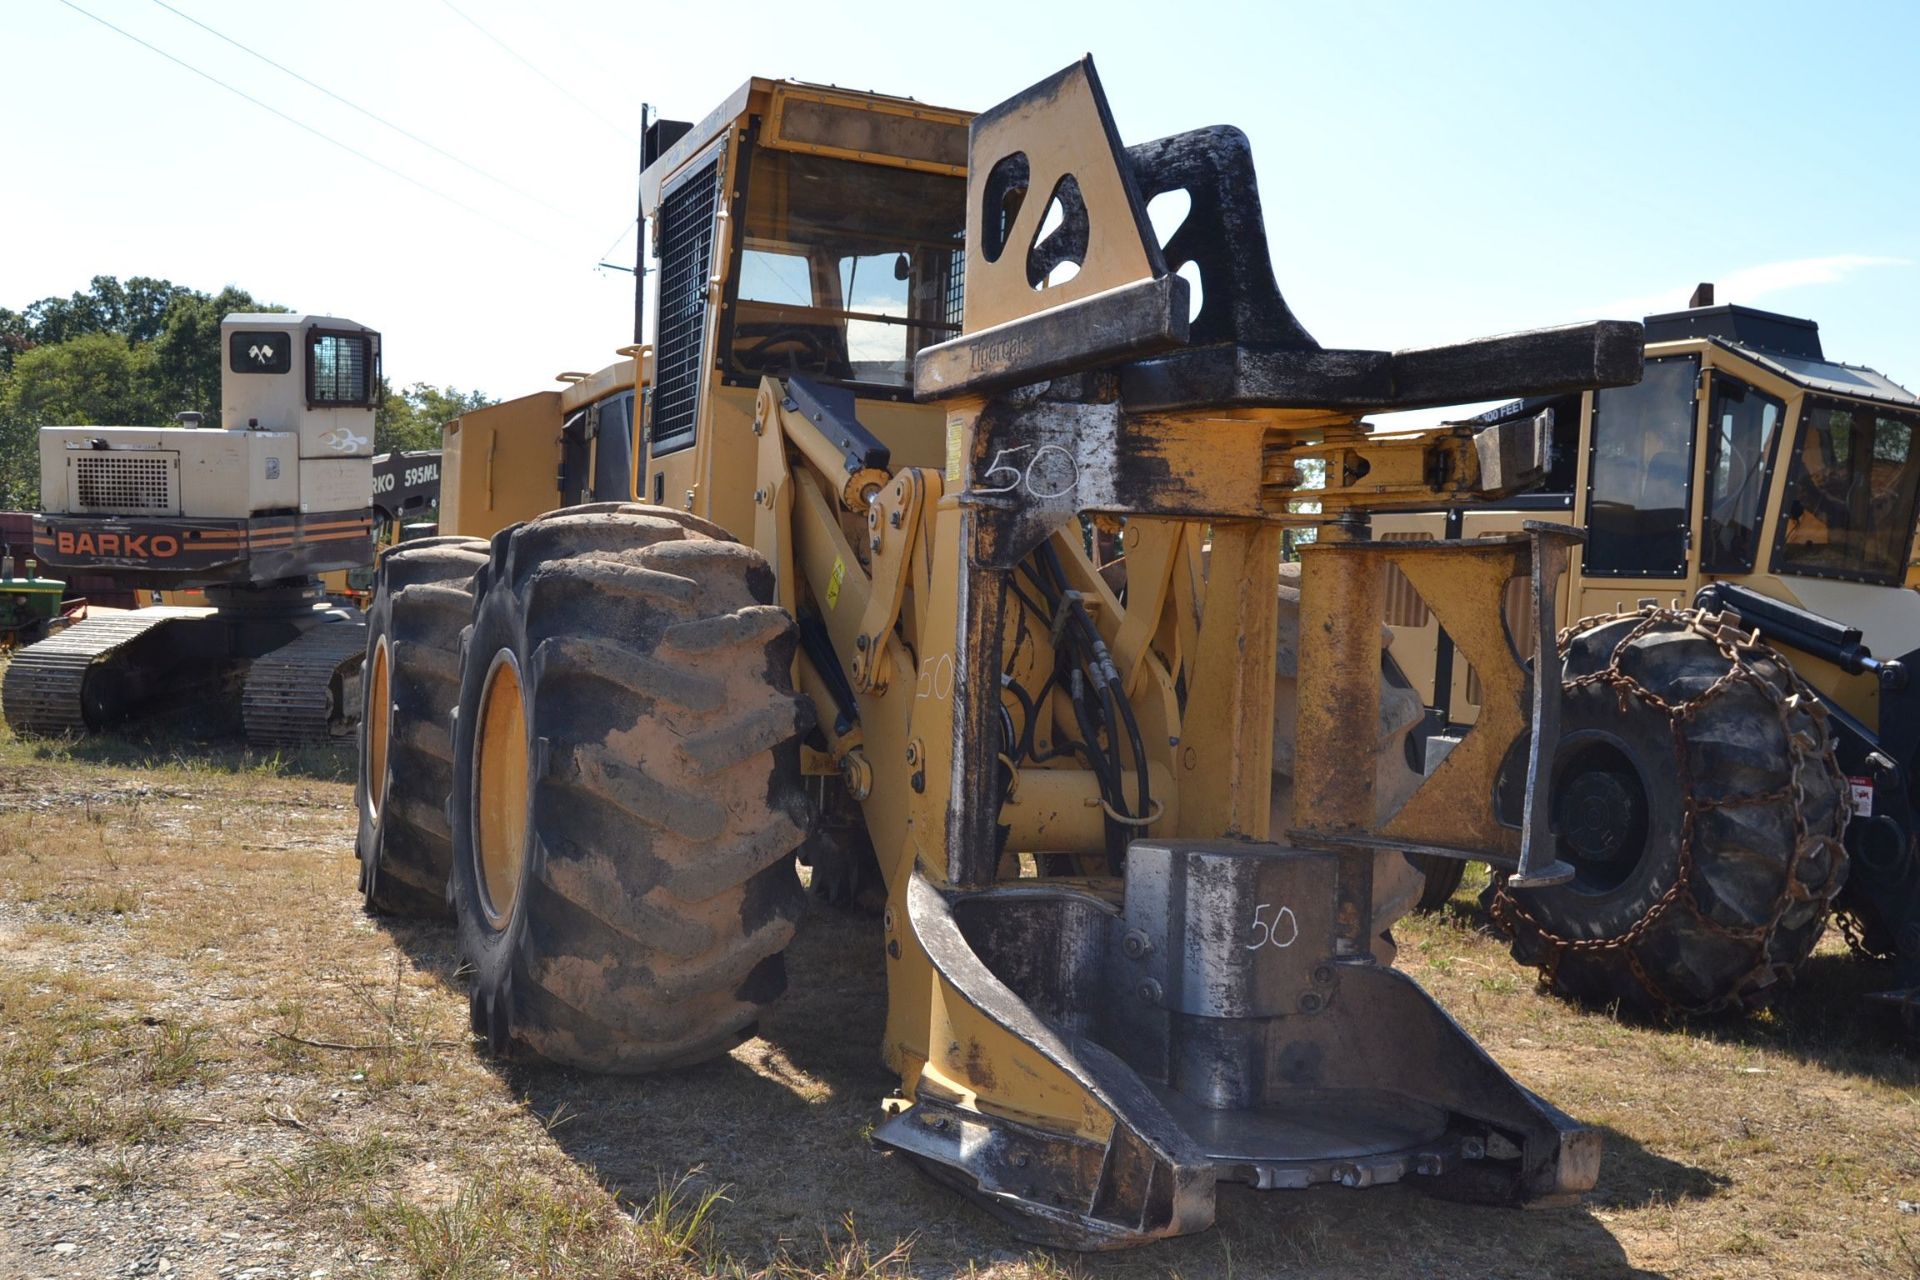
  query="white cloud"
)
[{"x": 1750, "y": 284}]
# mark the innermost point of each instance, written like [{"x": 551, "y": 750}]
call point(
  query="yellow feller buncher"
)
[{"x": 1134, "y": 909}]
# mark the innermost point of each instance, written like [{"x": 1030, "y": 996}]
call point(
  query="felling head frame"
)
[{"x": 1092, "y": 1057}]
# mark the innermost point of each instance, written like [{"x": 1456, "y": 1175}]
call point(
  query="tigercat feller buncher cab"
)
[
  {"x": 1133, "y": 920},
  {"x": 250, "y": 512},
  {"x": 1747, "y": 478}
]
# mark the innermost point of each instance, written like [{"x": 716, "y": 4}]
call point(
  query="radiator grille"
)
[
  {"x": 686, "y": 263},
  {"x": 956, "y": 299},
  {"x": 123, "y": 482},
  {"x": 1405, "y": 608},
  {"x": 1518, "y": 609}
]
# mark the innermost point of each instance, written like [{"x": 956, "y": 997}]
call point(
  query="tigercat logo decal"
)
[{"x": 146, "y": 546}]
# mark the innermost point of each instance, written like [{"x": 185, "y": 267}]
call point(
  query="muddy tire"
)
[
  {"x": 1440, "y": 880},
  {"x": 1697, "y": 796},
  {"x": 627, "y": 796},
  {"x": 423, "y": 599}
]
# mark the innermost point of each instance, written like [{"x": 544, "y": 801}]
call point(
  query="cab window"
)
[
  {"x": 613, "y": 449},
  {"x": 1638, "y": 473},
  {"x": 1851, "y": 490},
  {"x": 844, "y": 271},
  {"x": 1742, "y": 424},
  {"x": 596, "y": 452},
  {"x": 342, "y": 369}
]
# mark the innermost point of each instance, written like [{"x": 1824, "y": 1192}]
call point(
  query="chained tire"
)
[
  {"x": 422, "y": 601},
  {"x": 627, "y": 797},
  {"x": 1697, "y": 797}
]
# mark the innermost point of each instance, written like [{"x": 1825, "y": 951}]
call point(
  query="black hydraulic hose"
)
[
  {"x": 1027, "y": 601},
  {"x": 1039, "y": 701},
  {"x": 1135, "y": 740},
  {"x": 1017, "y": 746},
  {"x": 1108, "y": 678},
  {"x": 1103, "y": 774},
  {"x": 1082, "y": 654}
]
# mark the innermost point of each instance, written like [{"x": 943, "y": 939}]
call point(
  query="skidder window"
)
[
  {"x": 1741, "y": 426},
  {"x": 340, "y": 369},
  {"x": 1849, "y": 504},
  {"x": 259, "y": 351}
]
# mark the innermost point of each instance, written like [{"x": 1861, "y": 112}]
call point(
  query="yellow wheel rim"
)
[
  {"x": 379, "y": 717},
  {"x": 500, "y": 789}
]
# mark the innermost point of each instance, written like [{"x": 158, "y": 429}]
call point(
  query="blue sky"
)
[{"x": 1429, "y": 172}]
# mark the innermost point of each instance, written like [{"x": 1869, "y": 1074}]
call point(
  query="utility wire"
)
[
  {"x": 455, "y": 201},
  {"x": 619, "y": 239},
  {"x": 569, "y": 94},
  {"x": 373, "y": 116}
]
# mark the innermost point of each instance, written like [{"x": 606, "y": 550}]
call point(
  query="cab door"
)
[{"x": 1635, "y": 498}]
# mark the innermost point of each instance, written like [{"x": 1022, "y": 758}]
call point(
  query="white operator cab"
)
[{"x": 280, "y": 488}]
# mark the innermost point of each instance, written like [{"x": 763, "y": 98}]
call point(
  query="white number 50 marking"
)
[
  {"x": 1268, "y": 932},
  {"x": 1054, "y": 480}
]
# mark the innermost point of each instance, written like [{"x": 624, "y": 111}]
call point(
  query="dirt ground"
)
[{"x": 213, "y": 1064}]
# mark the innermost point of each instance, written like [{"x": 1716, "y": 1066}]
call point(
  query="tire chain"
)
[
  {"x": 1859, "y": 940},
  {"x": 1739, "y": 647}
]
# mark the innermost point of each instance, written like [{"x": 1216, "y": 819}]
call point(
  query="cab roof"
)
[
  {"x": 1827, "y": 377},
  {"x": 799, "y": 116}
]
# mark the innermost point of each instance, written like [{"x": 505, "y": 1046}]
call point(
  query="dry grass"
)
[{"x": 196, "y": 1019}]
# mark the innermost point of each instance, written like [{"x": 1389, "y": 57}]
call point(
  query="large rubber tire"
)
[
  {"x": 1747, "y": 779},
  {"x": 422, "y": 601},
  {"x": 632, "y": 916}
]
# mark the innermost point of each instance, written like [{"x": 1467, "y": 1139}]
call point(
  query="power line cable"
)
[
  {"x": 621, "y": 239},
  {"x": 569, "y": 94},
  {"x": 455, "y": 201},
  {"x": 371, "y": 115}
]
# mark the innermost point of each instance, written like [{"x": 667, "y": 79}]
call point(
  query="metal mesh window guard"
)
[{"x": 341, "y": 369}]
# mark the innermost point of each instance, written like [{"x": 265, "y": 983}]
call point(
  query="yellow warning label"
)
[
  {"x": 956, "y": 432},
  {"x": 833, "y": 582}
]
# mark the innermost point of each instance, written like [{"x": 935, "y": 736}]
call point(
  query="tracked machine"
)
[
  {"x": 251, "y": 512},
  {"x": 1141, "y": 825}
]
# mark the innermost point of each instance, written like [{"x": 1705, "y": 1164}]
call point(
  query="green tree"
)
[
  {"x": 97, "y": 379},
  {"x": 412, "y": 419},
  {"x": 15, "y": 336},
  {"x": 187, "y": 348}
]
